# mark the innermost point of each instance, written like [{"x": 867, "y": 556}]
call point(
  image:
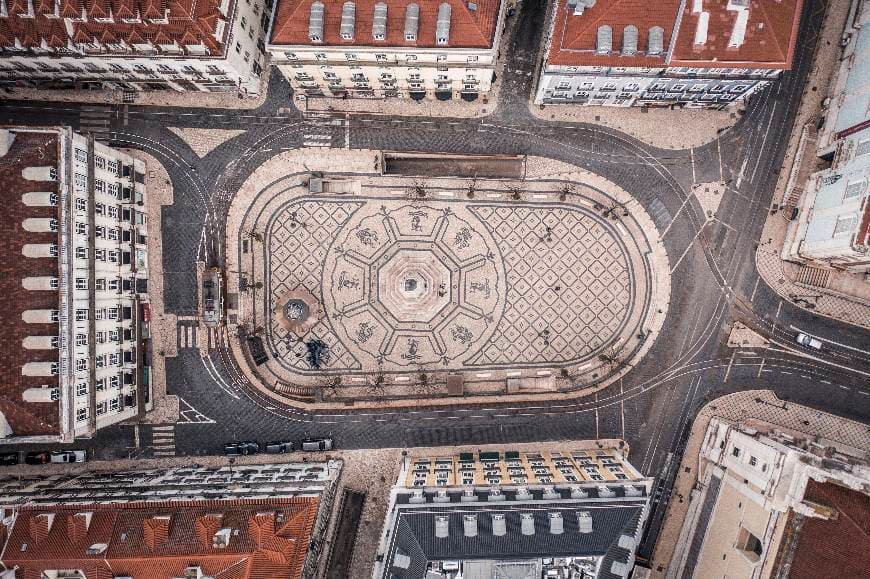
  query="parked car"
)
[
  {"x": 37, "y": 457},
  {"x": 8, "y": 458},
  {"x": 240, "y": 448},
  {"x": 316, "y": 444},
  {"x": 808, "y": 341},
  {"x": 68, "y": 456},
  {"x": 278, "y": 447}
]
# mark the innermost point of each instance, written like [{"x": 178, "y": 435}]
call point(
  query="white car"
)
[
  {"x": 68, "y": 456},
  {"x": 808, "y": 341}
]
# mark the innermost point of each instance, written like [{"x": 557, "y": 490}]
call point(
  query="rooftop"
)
[
  {"x": 237, "y": 539},
  {"x": 108, "y": 27},
  {"x": 470, "y": 24},
  {"x": 835, "y": 547},
  {"x": 28, "y": 149},
  {"x": 710, "y": 33}
]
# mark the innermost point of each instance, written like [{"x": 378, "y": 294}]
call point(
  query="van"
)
[{"x": 316, "y": 444}]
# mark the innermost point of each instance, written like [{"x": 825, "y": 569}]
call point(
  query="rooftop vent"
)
[
  {"x": 468, "y": 496},
  {"x": 442, "y": 525},
  {"x": 221, "y": 539},
  {"x": 499, "y": 528},
  {"x": 557, "y": 526},
  {"x": 315, "y": 22},
  {"x": 578, "y": 493},
  {"x": 527, "y": 524},
  {"x": 605, "y": 492},
  {"x": 401, "y": 561},
  {"x": 627, "y": 542},
  {"x": 417, "y": 497},
  {"x": 656, "y": 40},
  {"x": 441, "y": 497},
  {"x": 472, "y": 6},
  {"x": 97, "y": 548},
  {"x": 579, "y": 6},
  {"x": 551, "y": 493},
  {"x": 629, "y": 40},
  {"x": 632, "y": 491},
  {"x": 412, "y": 22},
  {"x": 701, "y": 30},
  {"x": 379, "y": 22},
  {"x": 604, "y": 41},
  {"x": 584, "y": 522},
  {"x": 442, "y": 25},
  {"x": 523, "y": 494},
  {"x": 469, "y": 525},
  {"x": 495, "y": 495},
  {"x": 348, "y": 20},
  {"x": 619, "y": 569}
]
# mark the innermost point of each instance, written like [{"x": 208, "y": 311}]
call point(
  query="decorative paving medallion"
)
[{"x": 449, "y": 285}]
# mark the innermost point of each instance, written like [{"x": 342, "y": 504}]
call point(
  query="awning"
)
[
  {"x": 442, "y": 95},
  {"x": 469, "y": 96},
  {"x": 417, "y": 95}
]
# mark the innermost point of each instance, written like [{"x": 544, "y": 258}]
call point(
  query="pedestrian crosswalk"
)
[
  {"x": 317, "y": 140},
  {"x": 95, "y": 119},
  {"x": 163, "y": 440},
  {"x": 186, "y": 333}
]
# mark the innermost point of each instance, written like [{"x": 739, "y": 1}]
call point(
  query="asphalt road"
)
[{"x": 714, "y": 276}]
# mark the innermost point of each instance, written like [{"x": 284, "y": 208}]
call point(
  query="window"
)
[
  {"x": 753, "y": 461},
  {"x": 81, "y": 204},
  {"x": 81, "y": 364},
  {"x": 52, "y": 250},
  {"x": 100, "y": 162},
  {"x": 112, "y": 190},
  {"x": 81, "y": 414},
  {"x": 81, "y": 228},
  {"x": 101, "y": 408},
  {"x": 81, "y": 182},
  {"x": 243, "y": 23},
  {"x": 863, "y": 148},
  {"x": 100, "y": 209},
  {"x": 100, "y": 361},
  {"x": 113, "y": 404},
  {"x": 114, "y": 335},
  {"x": 81, "y": 155},
  {"x": 100, "y": 254},
  {"x": 81, "y": 315},
  {"x": 410, "y": 57},
  {"x": 735, "y": 451},
  {"x": 855, "y": 189},
  {"x": 100, "y": 314},
  {"x": 81, "y": 283},
  {"x": 54, "y": 283},
  {"x": 115, "y": 359},
  {"x": 113, "y": 234},
  {"x": 101, "y": 337},
  {"x": 81, "y": 252},
  {"x": 114, "y": 381},
  {"x": 113, "y": 313},
  {"x": 81, "y": 339},
  {"x": 845, "y": 225},
  {"x": 101, "y": 384},
  {"x": 113, "y": 167},
  {"x": 113, "y": 256},
  {"x": 81, "y": 389},
  {"x": 100, "y": 232}
]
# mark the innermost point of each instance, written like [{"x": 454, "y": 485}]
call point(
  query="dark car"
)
[
  {"x": 238, "y": 448},
  {"x": 8, "y": 458},
  {"x": 278, "y": 447},
  {"x": 37, "y": 457}
]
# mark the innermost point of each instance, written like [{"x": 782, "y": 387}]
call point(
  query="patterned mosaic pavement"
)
[{"x": 449, "y": 285}]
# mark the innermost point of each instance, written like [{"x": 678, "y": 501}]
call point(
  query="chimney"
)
[
  {"x": 557, "y": 526},
  {"x": 442, "y": 526},
  {"x": 221, "y": 539},
  {"x": 469, "y": 525},
  {"x": 499, "y": 528},
  {"x": 584, "y": 522},
  {"x": 527, "y": 524}
]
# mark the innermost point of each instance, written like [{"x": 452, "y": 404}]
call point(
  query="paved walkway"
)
[
  {"x": 749, "y": 407},
  {"x": 796, "y": 284}
]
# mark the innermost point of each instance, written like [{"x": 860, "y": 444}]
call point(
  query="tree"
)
[
  {"x": 472, "y": 188},
  {"x": 376, "y": 387},
  {"x": 567, "y": 189},
  {"x": 425, "y": 385},
  {"x": 612, "y": 209},
  {"x": 612, "y": 358},
  {"x": 515, "y": 192},
  {"x": 417, "y": 190}
]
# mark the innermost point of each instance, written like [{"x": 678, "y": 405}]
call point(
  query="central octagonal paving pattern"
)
[{"x": 450, "y": 285}]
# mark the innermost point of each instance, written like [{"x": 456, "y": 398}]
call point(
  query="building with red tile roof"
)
[
  {"x": 702, "y": 53},
  {"x": 71, "y": 246},
  {"x": 368, "y": 48},
  {"x": 209, "y": 45},
  {"x": 256, "y": 522}
]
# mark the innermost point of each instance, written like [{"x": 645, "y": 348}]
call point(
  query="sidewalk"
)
[
  {"x": 744, "y": 407},
  {"x": 826, "y": 292},
  {"x": 155, "y": 98},
  {"x": 661, "y": 128}
]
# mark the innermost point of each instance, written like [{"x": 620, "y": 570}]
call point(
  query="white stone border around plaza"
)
[{"x": 368, "y": 162}]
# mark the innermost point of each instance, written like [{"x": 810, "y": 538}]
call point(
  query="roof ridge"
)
[
  {"x": 471, "y": 17},
  {"x": 767, "y": 24},
  {"x": 581, "y": 30}
]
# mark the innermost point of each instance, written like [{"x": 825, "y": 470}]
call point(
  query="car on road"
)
[
  {"x": 8, "y": 458},
  {"x": 278, "y": 447},
  {"x": 68, "y": 456},
  {"x": 241, "y": 448},
  {"x": 37, "y": 457},
  {"x": 808, "y": 341},
  {"x": 316, "y": 444}
]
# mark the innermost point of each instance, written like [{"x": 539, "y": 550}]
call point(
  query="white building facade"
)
[
  {"x": 418, "y": 50},
  {"x": 210, "y": 46}
]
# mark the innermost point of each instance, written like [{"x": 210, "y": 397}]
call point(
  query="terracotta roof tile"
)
[
  {"x": 468, "y": 28},
  {"x": 166, "y": 550},
  {"x": 838, "y": 548},
  {"x": 574, "y": 37},
  {"x": 29, "y": 149},
  {"x": 769, "y": 42}
]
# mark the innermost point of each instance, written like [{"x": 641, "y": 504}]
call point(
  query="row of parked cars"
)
[
  {"x": 277, "y": 447},
  {"x": 44, "y": 457}
]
